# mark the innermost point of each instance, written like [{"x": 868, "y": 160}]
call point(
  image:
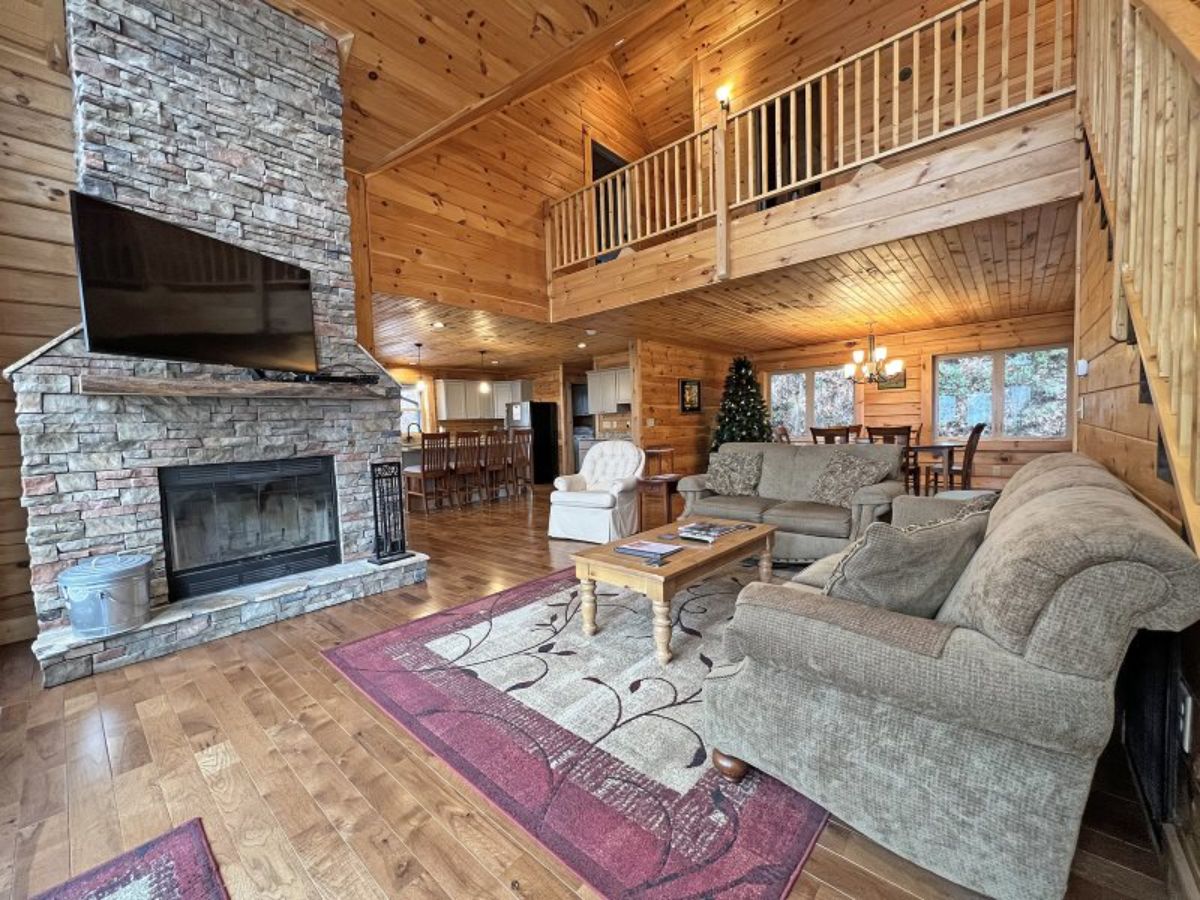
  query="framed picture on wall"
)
[
  {"x": 689, "y": 395},
  {"x": 897, "y": 382}
]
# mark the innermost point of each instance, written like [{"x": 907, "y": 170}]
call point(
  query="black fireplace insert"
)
[{"x": 231, "y": 524}]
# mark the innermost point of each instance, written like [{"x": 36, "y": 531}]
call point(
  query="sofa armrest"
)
[
  {"x": 923, "y": 510},
  {"x": 693, "y": 488},
  {"x": 871, "y": 503},
  {"x": 623, "y": 485},
  {"x": 953, "y": 675},
  {"x": 570, "y": 483}
]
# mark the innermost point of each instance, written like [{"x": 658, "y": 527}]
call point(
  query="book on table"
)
[
  {"x": 708, "y": 532},
  {"x": 648, "y": 549}
]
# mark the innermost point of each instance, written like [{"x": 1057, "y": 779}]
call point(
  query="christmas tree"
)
[{"x": 743, "y": 414}]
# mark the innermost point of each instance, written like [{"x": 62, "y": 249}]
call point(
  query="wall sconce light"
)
[{"x": 724, "y": 92}]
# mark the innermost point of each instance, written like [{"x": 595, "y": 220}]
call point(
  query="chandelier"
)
[{"x": 872, "y": 366}]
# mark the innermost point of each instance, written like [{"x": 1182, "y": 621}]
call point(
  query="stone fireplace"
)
[
  {"x": 223, "y": 116},
  {"x": 227, "y": 525}
]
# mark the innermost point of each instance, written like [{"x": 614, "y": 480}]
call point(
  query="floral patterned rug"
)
[
  {"x": 588, "y": 743},
  {"x": 177, "y": 865}
]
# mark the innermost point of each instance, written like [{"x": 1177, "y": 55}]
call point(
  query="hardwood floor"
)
[{"x": 307, "y": 791}]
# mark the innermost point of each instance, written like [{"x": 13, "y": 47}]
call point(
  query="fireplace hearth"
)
[{"x": 232, "y": 524}]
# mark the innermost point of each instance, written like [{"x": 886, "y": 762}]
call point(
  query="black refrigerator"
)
[{"x": 542, "y": 418}]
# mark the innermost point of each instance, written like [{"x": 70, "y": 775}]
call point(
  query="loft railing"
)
[
  {"x": 972, "y": 64},
  {"x": 1140, "y": 103}
]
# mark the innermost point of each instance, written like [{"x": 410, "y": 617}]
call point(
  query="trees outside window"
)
[
  {"x": 1016, "y": 393},
  {"x": 410, "y": 407},
  {"x": 811, "y": 398}
]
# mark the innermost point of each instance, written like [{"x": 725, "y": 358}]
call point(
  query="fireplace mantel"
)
[{"x": 133, "y": 385}]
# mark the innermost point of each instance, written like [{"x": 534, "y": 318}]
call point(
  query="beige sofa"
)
[
  {"x": 965, "y": 742},
  {"x": 806, "y": 530}
]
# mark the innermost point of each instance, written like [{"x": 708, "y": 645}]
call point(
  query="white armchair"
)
[{"x": 600, "y": 503}]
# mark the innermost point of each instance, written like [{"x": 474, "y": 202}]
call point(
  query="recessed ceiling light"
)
[
  {"x": 620, "y": 42},
  {"x": 581, "y": 345},
  {"x": 495, "y": 362},
  {"x": 589, "y": 331},
  {"x": 439, "y": 325}
]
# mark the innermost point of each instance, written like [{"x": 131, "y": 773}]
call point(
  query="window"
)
[
  {"x": 811, "y": 398},
  {"x": 1016, "y": 393},
  {"x": 410, "y": 407}
]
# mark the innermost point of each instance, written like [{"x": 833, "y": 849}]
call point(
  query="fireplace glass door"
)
[{"x": 234, "y": 524}]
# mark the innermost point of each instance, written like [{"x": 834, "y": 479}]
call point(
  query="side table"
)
[{"x": 662, "y": 489}]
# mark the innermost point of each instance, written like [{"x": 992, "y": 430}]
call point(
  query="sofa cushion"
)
[
  {"x": 844, "y": 474},
  {"x": 1069, "y": 472},
  {"x": 595, "y": 499},
  {"x": 734, "y": 474},
  {"x": 908, "y": 570},
  {"x": 806, "y": 517},
  {"x": 744, "y": 509}
]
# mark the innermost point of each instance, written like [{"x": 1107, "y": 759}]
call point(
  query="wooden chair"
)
[
  {"x": 432, "y": 477},
  {"x": 839, "y": 434},
  {"x": 899, "y": 434},
  {"x": 520, "y": 462},
  {"x": 855, "y": 431},
  {"x": 961, "y": 471},
  {"x": 465, "y": 469},
  {"x": 781, "y": 434},
  {"x": 494, "y": 470}
]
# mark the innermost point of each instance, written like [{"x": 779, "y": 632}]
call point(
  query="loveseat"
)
[
  {"x": 965, "y": 742},
  {"x": 806, "y": 530}
]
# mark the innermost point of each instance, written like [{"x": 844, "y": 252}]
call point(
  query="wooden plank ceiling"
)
[{"x": 1006, "y": 266}]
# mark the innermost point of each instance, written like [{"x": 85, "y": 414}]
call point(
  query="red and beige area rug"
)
[
  {"x": 588, "y": 743},
  {"x": 175, "y": 866}
]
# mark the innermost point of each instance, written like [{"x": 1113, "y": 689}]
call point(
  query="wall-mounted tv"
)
[{"x": 153, "y": 289}]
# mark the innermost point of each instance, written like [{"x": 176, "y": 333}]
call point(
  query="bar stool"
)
[
  {"x": 432, "y": 477},
  {"x": 520, "y": 462},
  {"x": 494, "y": 470},
  {"x": 465, "y": 470}
]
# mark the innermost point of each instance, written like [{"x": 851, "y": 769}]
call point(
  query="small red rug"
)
[
  {"x": 178, "y": 865},
  {"x": 588, "y": 743}
]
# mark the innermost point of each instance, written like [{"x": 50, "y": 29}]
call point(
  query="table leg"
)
[
  {"x": 587, "y": 604},
  {"x": 662, "y": 630},
  {"x": 764, "y": 559}
]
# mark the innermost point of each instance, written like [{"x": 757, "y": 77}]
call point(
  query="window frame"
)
[
  {"x": 997, "y": 357},
  {"x": 810, "y": 386},
  {"x": 413, "y": 388}
]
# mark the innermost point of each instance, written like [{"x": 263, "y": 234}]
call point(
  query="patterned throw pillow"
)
[
  {"x": 734, "y": 474},
  {"x": 844, "y": 474},
  {"x": 908, "y": 570}
]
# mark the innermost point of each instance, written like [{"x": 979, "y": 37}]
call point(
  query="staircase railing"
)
[
  {"x": 1140, "y": 103},
  {"x": 974, "y": 63}
]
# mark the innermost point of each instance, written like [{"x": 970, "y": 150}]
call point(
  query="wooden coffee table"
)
[{"x": 680, "y": 569}]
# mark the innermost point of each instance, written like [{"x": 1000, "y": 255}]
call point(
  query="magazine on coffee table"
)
[
  {"x": 707, "y": 532},
  {"x": 648, "y": 549}
]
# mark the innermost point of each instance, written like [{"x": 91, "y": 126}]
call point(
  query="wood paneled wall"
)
[
  {"x": 657, "y": 368},
  {"x": 463, "y": 223},
  {"x": 997, "y": 459},
  {"x": 1114, "y": 426},
  {"x": 38, "y": 295}
]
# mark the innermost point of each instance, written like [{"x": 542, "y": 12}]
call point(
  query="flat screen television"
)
[{"x": 153, "y": 289}]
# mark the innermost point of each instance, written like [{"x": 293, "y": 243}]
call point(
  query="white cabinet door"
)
[
  {"x": 502, "y": 395},
  {"x": 456, "y": 400},
  {"x": 594, "y": 399},
  {"x": 475, "y": 401},
  {"x": 624, "y": 386},
  {"x": 439, "y": 393}
]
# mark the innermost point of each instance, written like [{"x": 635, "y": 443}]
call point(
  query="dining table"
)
[{"x": 944, "y": 450}]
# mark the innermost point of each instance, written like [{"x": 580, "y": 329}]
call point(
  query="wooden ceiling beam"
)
[{"x": 594, "y": 46}]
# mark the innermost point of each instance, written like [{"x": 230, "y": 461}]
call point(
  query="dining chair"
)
[
  {"x": 495, "y": 464},
  {"x": 431, "y": 478},
  {"x": 855, "y": 431},
  {"x": 902, "y": 435},
  {"x": 465, "y": 467},
  {"x": 839, "y": 434},
  {"x": 520, "y": 462},
  {"x": 781, "y": 434},
  {"x": 961, "y": 471}
]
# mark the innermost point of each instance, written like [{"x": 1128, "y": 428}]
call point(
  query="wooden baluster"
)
[
  {"x": 751, "y": 155},
  {"x": 858, "y": 109},
  {"x": 808, "y": 137},
  {"x": 764, "y": 148},
  {"x": 937, "y": 77},
  {"x": 721, "y": 201},
  {"x": 1171, "y": 193},
  {"x": 778, "y": 142},
  {"x": 841, "y": 124},
  {"x": 1058, "y": 43},
  {"x": 1005, "y": 50},
  {"x": 605, "y": 233},
  {"x": 895, "y": 94},
  {"x": 552, "y": 229},
  {"x": 1189, "y": 262},
  {"x": 700, "y": 174},
  {"x": 658, "y": 192},
  {"x": 794, "y": 135},
  {"x": 737, "y": 159},
  {"x": 959, "y": 40},
  {"x": 671, "y": 167},
  {"x": 981, "y": 75},
  {"x": 687, "y": 162},
  {"x": 619, "y": 211},
  {"x": 635, "y": 211},
  {"x": 630, "y": 219},
  {"x": 826, "y": 154},
  {"x": 875, "y": 122},
  {"x": 1030, "y": 48},
  {"x": 916, "y": 86}
]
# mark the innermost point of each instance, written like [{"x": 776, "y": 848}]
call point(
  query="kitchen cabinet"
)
[
  {"x": 607, "y": 388},
  {"x": 459, "y": 398}
]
